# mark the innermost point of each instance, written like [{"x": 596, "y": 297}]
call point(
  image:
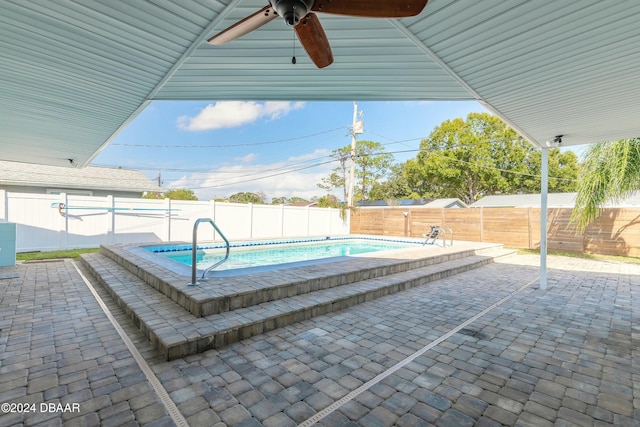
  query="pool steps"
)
[
  {"x": 217, "y": 295},
  {"x": 255, "y": 304}
]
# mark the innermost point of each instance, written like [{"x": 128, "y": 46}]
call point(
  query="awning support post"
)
[{"x": 544, "y": 184}]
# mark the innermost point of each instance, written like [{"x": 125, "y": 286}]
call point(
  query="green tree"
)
[
  {"x": 480, "y": 156},
  {"x": 176, "y": 194},
  {"x": 563, "y": 172},
  {"x": 395, "y": 187},
  {"x": 611, "y": 171},
  {"x": 371, "y": 165},
  {"x": 283, "y": 200},
  {"x": 328, "y": 201},
  {"x": 247, "y": 197},
  {"x": 338, "y": 177},
  {"x": 296, "y": 199},
  {"x": 180, "y": 194}
]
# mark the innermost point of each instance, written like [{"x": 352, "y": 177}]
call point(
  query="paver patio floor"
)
[{"x": 567, "y": 355}]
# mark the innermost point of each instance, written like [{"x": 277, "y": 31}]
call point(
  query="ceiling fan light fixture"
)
[
  {"x": 292, "y": 10},
  {"x": 311, "y": 34}
]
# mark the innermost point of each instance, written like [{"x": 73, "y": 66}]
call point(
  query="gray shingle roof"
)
[
  {"x": 446, "y": 203},
  {"x": 425, "y": 203},
  {"x": 554, "y": 200},
  {"x": 90, "y": 177}
]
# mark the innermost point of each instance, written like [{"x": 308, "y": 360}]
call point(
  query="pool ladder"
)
[
  {"x": 436, "y": 231},
  {"x": 194, "y": 248}
]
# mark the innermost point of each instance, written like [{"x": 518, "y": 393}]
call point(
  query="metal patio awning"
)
[{"x": 72, "y": 74}]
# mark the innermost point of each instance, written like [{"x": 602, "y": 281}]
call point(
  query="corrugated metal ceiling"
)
[{"x": 73, "y": 73}]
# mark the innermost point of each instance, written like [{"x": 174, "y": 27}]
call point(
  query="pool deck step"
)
[
  {"x": 219, "y": 294},
  {"x": 178, "y": 333}
]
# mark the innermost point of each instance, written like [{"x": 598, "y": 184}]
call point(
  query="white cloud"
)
[
  {"x": 317, "y": 154},
  {"x": 227, "y": 180},
  {"x": 248, "y": 158},
  {"x": 229, "y": 114}
]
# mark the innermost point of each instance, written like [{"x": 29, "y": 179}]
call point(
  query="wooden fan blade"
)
[
  {"x": 371, "y": 8},
  {"x": 245, "y": 26},
  {"x": 314, "y": 40}
]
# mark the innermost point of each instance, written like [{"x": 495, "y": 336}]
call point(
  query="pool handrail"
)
[
  {"x": 194, "y": 248},
  {"x": 451, "y": 237}
]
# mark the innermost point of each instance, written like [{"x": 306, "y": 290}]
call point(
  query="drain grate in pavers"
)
[{"x": 474, "y": 333}]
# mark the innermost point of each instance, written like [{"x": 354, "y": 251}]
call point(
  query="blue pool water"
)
[{"x": 269, "y": 253}]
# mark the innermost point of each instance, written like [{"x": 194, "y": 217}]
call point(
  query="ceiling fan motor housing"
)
[{"x": 292, "y": 10}]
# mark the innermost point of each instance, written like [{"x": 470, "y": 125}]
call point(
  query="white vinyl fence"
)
[{"x": 86, "y": 221}]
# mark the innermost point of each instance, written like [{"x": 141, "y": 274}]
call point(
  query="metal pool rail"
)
[{"x": 194, "y": 248}]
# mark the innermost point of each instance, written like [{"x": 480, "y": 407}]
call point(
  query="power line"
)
[
  {"x": 248, "y": 144},
  {"x": 264, "y": 177},
  {"x": 464, "y": 161},
  {"x": 499, "y": 169},
  {"x": 233, "y": 180},
  {"x": 286, "y": 169},
  {"x": 210, "y": 174},
  {"x": 210, "y": 170},
  {"x": 219, "y": 185},
  {"x": 394, "y": 141},
  {"x": 258, "y": 178},
  {"x": 469, "y": 163}
]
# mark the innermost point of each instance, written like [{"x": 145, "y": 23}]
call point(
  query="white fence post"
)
[
  {"x": 167, "y": 220},
  {"x": 111, "y": 219},
  {"x": 347, "y": 220},
  {"x": 213, "y": 216},
  {"x": 4, "y": 206},
  {"x": 282, "y": 220},
  {"x": 251, "y": 220},
  {"x": 63, "y": 241}
]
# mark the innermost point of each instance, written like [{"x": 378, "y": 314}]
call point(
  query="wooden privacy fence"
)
[{"x": 616, "y": 232}]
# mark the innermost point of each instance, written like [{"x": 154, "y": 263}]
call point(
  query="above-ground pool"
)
[{"x": 273, "y": 253}]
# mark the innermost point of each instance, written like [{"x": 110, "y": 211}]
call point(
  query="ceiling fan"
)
[{"x": 301, "y": 15}]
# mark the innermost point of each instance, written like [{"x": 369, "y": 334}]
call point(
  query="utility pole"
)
[{"x": 357, "y": 128}]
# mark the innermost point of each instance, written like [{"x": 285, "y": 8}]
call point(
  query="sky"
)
[{"x": 282, "y": 149}]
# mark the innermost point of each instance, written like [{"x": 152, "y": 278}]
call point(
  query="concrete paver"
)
[
  {"x": 567, "y": 355},
  {"x": 61, "y": 360}
]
